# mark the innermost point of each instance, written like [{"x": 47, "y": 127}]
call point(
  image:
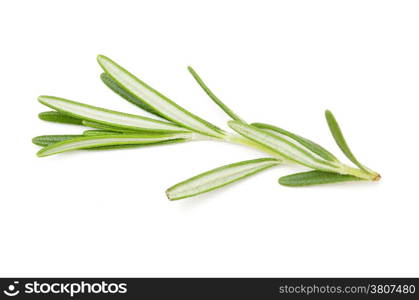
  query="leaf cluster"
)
[{"x": 170, "y": 123}]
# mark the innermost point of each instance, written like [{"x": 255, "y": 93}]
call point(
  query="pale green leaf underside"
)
[
  {"x": 57, "y": 117},
  {"x": 106, "y": 116},
  {"x": 214, "y": 98},
  {"x": 87, "y": 142},
  {"x": 315, "y": 178},
  {"x": 156, "y": 100},
  {"x": 218, "y": 177},
  {"x": 340, "y": 140},
  {"x": 282, "y": 147},
  {"x": 47, "y": 140},
  {"x": 115, "y": 87},
  {"x": 112, "y": 128},
  {"x": 308, "y": 144},
  {"x": 99, "y": 132}
]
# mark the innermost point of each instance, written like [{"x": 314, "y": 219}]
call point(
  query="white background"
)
[{"x": 281, "y": 62}]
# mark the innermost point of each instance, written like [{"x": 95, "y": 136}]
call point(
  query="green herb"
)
[{"x": 117, "y": 130}]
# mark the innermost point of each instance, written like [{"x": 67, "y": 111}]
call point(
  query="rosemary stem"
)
[{"x": 238, "y": 140}]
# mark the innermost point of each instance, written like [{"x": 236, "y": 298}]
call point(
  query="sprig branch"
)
[{"x": 116, "y": 130}]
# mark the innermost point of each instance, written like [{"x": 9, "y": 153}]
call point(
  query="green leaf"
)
[
  {"x": 128, "y": 146},
  {"x": 87, "y": 142},
  {"x": 115, "y": 87},
  {"x": 310, "y": 145},
  {"x": 214, "y": 98},
  {"x": 99, "y": 132},
  {"x": 111, "y": 128},
  {"x": 46, "y": 140},
  {"x": 283, "y": 148},
  {"x": 57, "y": 117},
  {"x": 108, "y": 117},
  {"x": 218, "y": 177},
  {"x": 314, "y": 178},
  {"x": 340, "y": 140},
  {"x": 166, "y": 107}
]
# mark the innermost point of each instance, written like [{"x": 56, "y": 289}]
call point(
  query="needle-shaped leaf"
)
[
  {"x": 284, "y": 148},
  {"x": 218, "y": 177},
  {"x": 314, "y": 178},
  {"x": 115, "y": 87},
  {"x": 46, "y": 140},
  {"x": 166, "y": 107},
  {"x": 310, "y": 145},
  {"x": 99, "y": 132},
  {"x": 127, "y": 146},
  {"x": 214, "y": 98},
  {"x": 87, "y": 142},
  {"x": 57, "y": 117},
  {"x": 340, "y": 140},
  {"x": 106, "y": 116},
  {"x": 110, "y": 128}
]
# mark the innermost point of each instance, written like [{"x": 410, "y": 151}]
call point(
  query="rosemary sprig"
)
[{"x": 116, "y": 130}]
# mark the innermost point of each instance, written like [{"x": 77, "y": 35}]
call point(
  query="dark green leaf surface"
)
[
  {"x": 315, "y": 178},
  {"x": 214, "y": 98},
  {"x": 340, "y": 140},
  {"x": 46, "y": 140},
  {"x": 310, "y": 145},
  {"x": 57, "y": 117}
]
